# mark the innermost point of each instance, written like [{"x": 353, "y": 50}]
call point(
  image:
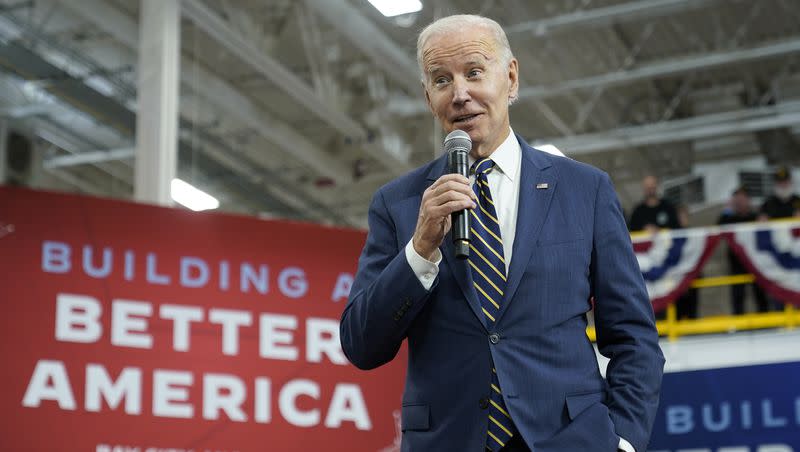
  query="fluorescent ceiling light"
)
[
  {"x": 188, "y": 195},
  {"x": 391, "y": 8},
  {"x": 550, "y": 149}
]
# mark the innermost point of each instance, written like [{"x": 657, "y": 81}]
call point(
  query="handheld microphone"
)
[{"x": 457, "y": 144}]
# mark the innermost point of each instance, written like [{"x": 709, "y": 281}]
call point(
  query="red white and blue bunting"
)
[
  {"x": 670, "y": 260},
  {"x": 773, "y": 256}
]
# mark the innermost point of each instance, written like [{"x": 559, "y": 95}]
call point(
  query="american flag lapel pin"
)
[{"x": 542, "y": 186}]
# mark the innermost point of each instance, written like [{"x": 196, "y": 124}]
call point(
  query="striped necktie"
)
[{"x": 489, "y": 280}]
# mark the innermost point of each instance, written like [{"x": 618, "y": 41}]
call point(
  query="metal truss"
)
[
  {"x": 665, "y": 68},
  {"x": 219, "y": 92},
  {"x": 785, "y": 114},
  {"x": 608, "y": 15},
  {"x": 273, "y": 70}
]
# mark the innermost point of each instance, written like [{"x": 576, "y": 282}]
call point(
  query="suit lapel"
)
[
  {"x": 459, "y": 268},
  {"x": 534, "y": 204}
]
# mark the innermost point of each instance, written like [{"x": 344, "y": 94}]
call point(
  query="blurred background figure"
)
[
  {"x": 741, "y": 211},
  {"x": 783, "y": 203},
  {"x": 654, "y": 212}
]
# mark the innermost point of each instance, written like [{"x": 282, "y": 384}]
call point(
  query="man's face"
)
[
  {"x": 650, "y": 187},
  {"x": 468, "y": 87},
  {"x": 741, "y": 202},
  {"x": 783, "y": 189}
]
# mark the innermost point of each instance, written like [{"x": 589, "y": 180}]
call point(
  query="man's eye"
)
[
  {"x": 474, "y": 73},
  {"x": 440, "y": 80}
]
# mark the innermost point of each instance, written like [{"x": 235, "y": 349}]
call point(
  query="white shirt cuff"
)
[
  {"x": 425, "y": 270},
  {"x": 626, "y": 446}
]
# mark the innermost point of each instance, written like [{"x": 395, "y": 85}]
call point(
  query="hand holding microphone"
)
[
  {"x": 457, "y": 144},
  {"x": 448, "y": 195}
]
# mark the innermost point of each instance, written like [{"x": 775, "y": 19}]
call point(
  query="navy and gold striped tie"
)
[{"x": 489, "y": 279}]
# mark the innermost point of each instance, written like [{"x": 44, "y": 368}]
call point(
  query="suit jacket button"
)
[
  {"x": 494, "y": 338},
  {"x": 483, "y": 403}
]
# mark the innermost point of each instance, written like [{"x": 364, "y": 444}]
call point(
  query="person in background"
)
[
  {"x": 783, "y": 203},
  {"x": 741, "y": 211},
  {"x": 654, "y": 212}
]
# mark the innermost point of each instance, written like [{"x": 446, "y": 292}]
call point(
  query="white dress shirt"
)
[{"x": 504, "y": 187}]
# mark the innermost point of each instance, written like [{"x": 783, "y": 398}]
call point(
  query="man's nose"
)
[{"x": 460, "y": 91}]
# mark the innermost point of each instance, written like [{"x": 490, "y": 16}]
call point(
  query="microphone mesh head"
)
[{"x": 458, "y": 141}]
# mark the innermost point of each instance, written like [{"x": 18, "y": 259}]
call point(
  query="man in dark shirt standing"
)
[
  {"x": 741, "y": 212},
  {"x": 653, "y": 213},
  {"x": 783, "y": 203}
]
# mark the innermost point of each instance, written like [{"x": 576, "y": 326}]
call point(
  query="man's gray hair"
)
[{"x": 459, "y": 22}]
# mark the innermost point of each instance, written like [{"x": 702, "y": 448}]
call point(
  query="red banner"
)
[{"x": 138, "y": 328}]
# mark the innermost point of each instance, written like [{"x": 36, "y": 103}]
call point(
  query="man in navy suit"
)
[{"x": 498, "y": 354}]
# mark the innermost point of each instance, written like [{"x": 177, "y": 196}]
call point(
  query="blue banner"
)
[{"x": 736, "y": 409}]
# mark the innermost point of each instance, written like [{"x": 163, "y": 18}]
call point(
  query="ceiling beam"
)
[
  {"x": 69, "y": 141},
  {"x": 24, "y": 111},
  {"x": 88, "y": 157},
  {"x": 604, "y": 16},
  {"x": 664, "y": 68},
  {"x": 749, "y": 120}
]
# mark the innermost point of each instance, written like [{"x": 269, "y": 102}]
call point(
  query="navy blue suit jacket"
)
[{"x": 571, "y": 243}]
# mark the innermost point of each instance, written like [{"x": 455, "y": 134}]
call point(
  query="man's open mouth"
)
[{"x": 465, "y": 118}]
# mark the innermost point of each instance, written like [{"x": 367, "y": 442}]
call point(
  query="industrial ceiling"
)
[{"x": 301, "y": 109}]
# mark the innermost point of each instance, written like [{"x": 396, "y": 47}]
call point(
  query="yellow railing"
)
[
  {"x": 715, "y": 281},
  {"x": 673, "y": 328}
]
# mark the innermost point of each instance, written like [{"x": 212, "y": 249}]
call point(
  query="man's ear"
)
[{"x": 513, "y": 80}]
